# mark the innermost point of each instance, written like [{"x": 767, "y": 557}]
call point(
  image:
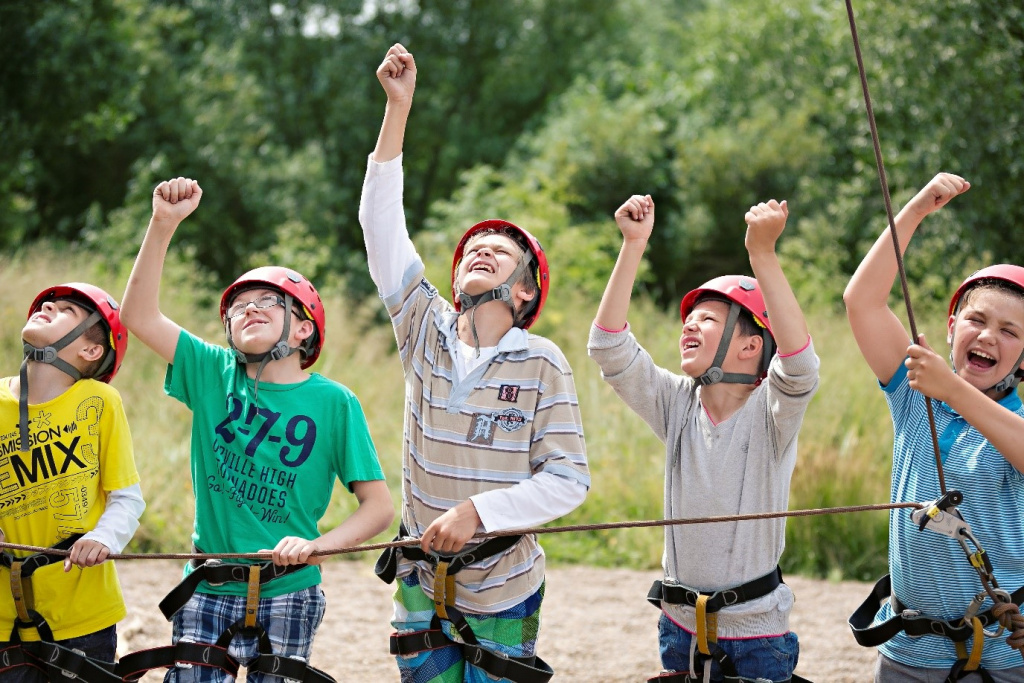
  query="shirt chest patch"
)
[
  {"x": 482, "y": 426},
  {"x": 508, "y": 393}
]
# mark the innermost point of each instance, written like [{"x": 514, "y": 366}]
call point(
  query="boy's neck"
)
[
  {"x": 45, "y": 382},
  {"x": 493, "y": 320},
  {"x": 287, "y": 370},
  {"x": 721, "y": 401}
]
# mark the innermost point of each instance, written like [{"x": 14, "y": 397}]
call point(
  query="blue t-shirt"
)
[
  {"x": 263, "y": 472},
  {"x": 930, "y": 571}
]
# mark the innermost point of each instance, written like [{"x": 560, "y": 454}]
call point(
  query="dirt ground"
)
[{"x": 596, "y": 624}]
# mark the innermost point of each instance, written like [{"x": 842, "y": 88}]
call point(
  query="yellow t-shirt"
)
[{"x": 80, "y": 448}]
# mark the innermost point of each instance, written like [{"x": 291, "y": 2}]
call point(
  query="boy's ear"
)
[
  {"x": 949, "y": 329},
  {"x": 91, "y": 353},
  {"x": 752, "y": 347},
  {"x": 525, "y": 295},
  {"x": 303, "y": 330}
]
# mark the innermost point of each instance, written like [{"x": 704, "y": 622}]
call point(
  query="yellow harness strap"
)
[
  {"x": 252, "y": 598},
  {"x": 707, "y": 626},
  {"x": 444, "y": 590},
  {"x": 22, "y": 591},
  {"x": 977, "y": 646}
]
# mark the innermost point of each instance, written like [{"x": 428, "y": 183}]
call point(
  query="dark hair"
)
[
  {"x": 746, "y": 323},
  {"x": 990, "y": 284}
]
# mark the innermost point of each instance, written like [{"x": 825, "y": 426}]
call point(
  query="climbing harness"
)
[
  {"x": 57, "y": 661},
  {"x": 941, "y": 516},
  {"x": 517, "y": 669},
  {"x": 707, "y": 606},
  {"x": 133, "y": 666}
]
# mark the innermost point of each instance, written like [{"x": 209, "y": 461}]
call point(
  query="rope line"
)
[
  {"x": 892, "y": 230},
  {"x": 405, "y": 542}
]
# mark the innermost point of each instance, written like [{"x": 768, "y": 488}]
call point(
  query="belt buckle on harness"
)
[{"x": 725, "y": 596}]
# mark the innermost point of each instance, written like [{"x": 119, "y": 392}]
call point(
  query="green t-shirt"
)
[{"x": 260, "y": 473}]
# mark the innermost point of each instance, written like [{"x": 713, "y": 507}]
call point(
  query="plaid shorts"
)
[
  {"x": 513, "y": 631},
  {"x": 290, "y": 621}
]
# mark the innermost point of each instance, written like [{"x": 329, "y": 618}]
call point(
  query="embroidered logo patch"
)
[
  {"x": 428, "y": 288},
  {"x": 508, "y": 392},
  {"x": 511, "y": 419},
  {"x": 481, "y": 430}
]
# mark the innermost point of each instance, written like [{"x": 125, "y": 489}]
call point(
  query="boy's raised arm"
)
[
  {"x": 635, "y": 219},
  {"x": 765, "y": 223},
  {"x": 397, "y": 74},
  {"x": 879, "y": 333},
  {"x": 173, "y": 201}
]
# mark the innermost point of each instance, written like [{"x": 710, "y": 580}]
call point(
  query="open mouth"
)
[
  {"x": 481, "y": 268},
  {"x": 980, "y": 360}
]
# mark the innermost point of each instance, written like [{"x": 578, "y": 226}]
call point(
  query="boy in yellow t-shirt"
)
[{"x": 67, "y": 479}]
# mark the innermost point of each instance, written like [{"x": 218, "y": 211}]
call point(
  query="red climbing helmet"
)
[
  {"x": 292, "y": 284},
  {"x": 739, "y": 289},
  {"x": 1003, "y": 271},
  {"x": 95, "y": 300},
  {"x": 541, "y": 273}
]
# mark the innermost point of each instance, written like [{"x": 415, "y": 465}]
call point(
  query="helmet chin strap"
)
[
  {"x": 48, "y": 355},
  {"x": 715, "y": 374},
  {"x": 277, "y": 352},
  {"x": 502, "y": 292}
]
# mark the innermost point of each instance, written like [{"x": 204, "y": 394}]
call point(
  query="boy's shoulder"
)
[{"x": 543, "y": 347}]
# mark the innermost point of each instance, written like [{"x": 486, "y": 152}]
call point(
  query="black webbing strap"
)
[
  {"x": 910, "y": 621},
  {"x": 675, "y": 594},
  {"x": 686, "y": 677},
  {"x": 63, "y": 663},
  {"x": 958, "y": 672},
  {"x": 269, "y": 663},
  {"x": 216, "y": 573},
  {"x": 387, "y": 564},
  {"x": 134, "y": 666},
  {"x": 14, "y": 656},
  {"x": 517, "y": 669}
]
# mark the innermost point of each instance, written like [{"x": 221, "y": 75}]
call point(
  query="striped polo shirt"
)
[
  {"x": 505, "y": 421},
  {"x": 929, "y": 570}
]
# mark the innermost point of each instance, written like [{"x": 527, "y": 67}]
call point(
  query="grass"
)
[{"x": 845, "y": 444}]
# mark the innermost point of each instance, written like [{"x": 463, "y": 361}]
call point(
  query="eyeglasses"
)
[{"x": 266, "y": 301}]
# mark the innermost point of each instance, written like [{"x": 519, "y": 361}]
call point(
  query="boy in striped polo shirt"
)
[
  {"x": 493, "y": 435},
  {"x": 979, "y": 420}
]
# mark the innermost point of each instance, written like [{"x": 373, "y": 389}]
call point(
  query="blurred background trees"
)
[{"x": 547, "y": 112}]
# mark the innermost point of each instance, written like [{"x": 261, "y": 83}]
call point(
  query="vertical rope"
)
[{"x": 892, "y": 231}]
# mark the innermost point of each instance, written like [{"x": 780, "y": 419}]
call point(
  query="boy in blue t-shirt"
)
[
  {"x": 979, "y": 420},
  {"x": 268, "y": 441}
]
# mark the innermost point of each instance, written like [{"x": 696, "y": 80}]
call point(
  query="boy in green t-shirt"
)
[{"x": 268, "y": 440}]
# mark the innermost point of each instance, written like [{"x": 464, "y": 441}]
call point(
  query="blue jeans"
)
[
  {"x": 101, "y": 645},
  {"x": 770, "y": 658}
]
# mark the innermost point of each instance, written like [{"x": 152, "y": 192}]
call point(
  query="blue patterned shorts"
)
[
  {"x": 512, "y": 632},
  {"x": 290, "y": 621}
]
